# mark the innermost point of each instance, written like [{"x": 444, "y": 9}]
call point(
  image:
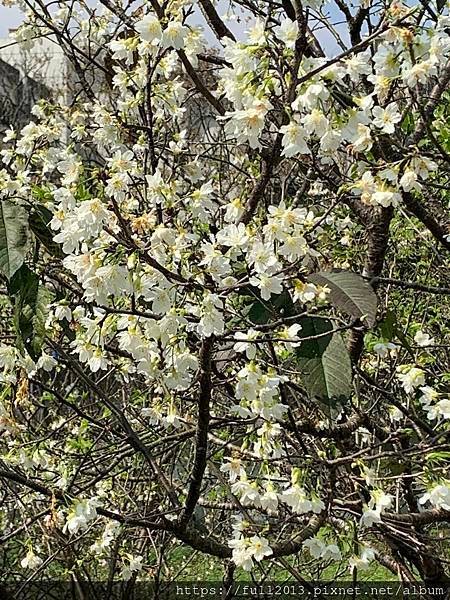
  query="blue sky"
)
[
  {"x": 9, "y": 18},
  {"x": 12, "y": 17}
]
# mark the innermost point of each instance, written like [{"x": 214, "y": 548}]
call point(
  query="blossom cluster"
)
[{"x": 192, "y": 220}]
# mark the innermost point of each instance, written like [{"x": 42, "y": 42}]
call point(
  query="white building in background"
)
[
  {"x": 44, "y": 63},
  {"x": 18, "y": 94},
  {"x": 44, "y": 71}
]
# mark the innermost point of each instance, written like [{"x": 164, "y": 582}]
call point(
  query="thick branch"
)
[
  {"x": 201, "y": 442},
  {"x": 437, "y": 230},
  {"x": 216, "y": 23}
]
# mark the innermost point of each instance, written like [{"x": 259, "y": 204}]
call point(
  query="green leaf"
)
[
  {"x": 259, "y": 313},
  {"x": 388, "y": 326},
  {"x": 438, "y": 457},
  {"x": 401, "y": 336},
  {"x": 394, "y": 466},
  {"x": 279, "y": 306},
  {"x": 43, "y": 194},
  {"x": 31, "y": 302},
  {"x": 350, "y": 293},
  {"x": 314, "y": 326},
  {"x": 13, "y": 237},
  {"x": 328, "y": 377},
  {"x": 39, "y": 219}
]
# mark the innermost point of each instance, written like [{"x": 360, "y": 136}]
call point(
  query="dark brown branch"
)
[
  {"x": 416, "y": 208},
  {"x": 435, "y": 96},
  {"x": 411, "y": 285},
  {"x": 215, "y": 22},
  {"x": 267, "y": 168},
  {"x": 55, "y": 493},
  {"x": 201, "y": 87},
  {"x": 427, "y": 517},
  {"x": 201, "y": 441}
]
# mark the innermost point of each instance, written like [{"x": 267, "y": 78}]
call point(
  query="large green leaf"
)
[
  {"x": 328, "y": 376},
  {"x": 31, "y": 303},
  {"x": 350, "y": 293},
  {"x": 312, "y": 327},
  {"x": 13, "y": 237},
  {"x": 390, "y": 328}
]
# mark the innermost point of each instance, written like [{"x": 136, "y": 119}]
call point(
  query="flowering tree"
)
[{"x": 224, "y": 310}]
